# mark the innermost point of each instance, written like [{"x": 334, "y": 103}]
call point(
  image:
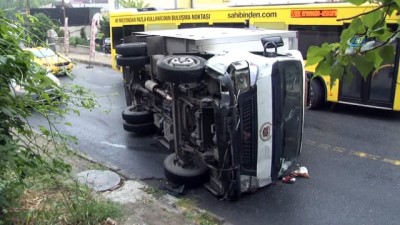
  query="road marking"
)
[
  {"x": 337, "y": 149},
  {"x": 324, "y": 146},
  {"x": 360, "y": 154},
  {"x": 113, "y": 145},
  {"x": 392, "y": 161},
  {"x": 364, "y": 155},
  {"x": 310, "y": 142}
]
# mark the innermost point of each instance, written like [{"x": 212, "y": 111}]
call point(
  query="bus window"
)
[
  {"x": 381, "y": 84},
  {"x": 192, "y": 25},
  {"x": 163, "y": 26},
  {"x": 271, "y": 25},
  {"x": 245, "y": 24},
  {"x": 377, "y": 89},
  {"x": 316, "y": 35},
  {"x": 129, "y": 29},
  {"x": 117, "y": 36}
]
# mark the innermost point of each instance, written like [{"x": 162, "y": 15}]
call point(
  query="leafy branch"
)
[{"x": 366, "y": 13}]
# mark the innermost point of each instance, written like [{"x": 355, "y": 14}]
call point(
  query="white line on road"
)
[{"x": 113, "y": 145}]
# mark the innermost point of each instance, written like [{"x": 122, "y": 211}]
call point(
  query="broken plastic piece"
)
[
  {"x": 289, "y": 180},
  {"x": 301, "y": 172}
]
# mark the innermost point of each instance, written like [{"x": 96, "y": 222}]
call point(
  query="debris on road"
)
[
  {"x": 288, "y": 180},
  {"x": 301, "y": 172}
]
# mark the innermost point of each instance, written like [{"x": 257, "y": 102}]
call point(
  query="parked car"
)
[
  {"x": 58, "y": 64},
  {"x": 19, "y": 90},
  {"x": 107, "y": 45}
]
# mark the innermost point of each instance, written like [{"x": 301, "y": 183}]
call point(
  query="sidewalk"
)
[
  {"x": 100, "y": 59},
  {"x": 140, "y": 206}
]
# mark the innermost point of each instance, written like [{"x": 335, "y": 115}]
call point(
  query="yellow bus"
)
[{"x": 316, "y": 23}]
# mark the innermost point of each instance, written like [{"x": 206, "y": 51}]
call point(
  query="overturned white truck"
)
[{"x": 228, "y": 102}]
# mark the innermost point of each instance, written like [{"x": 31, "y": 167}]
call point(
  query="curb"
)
[
  {"x": 91, "y": 63},
  {"x": 166, "y": 199}
]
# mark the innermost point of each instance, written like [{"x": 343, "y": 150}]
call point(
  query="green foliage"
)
[
  {"x": 23, "y": 153},
  {"x": 74, "y": 41},
  {"x": 7, "y": 4},
  {"x": 65, "y": 203},
  {"x": 38, "y": 27},
  {"x": 83, "y": 33},
  {"x": 105, "y": 27},
  {"x": 138, "y": 4},
  {"x": 191, "y": 212},
  {"x": 366, "y": 44}
]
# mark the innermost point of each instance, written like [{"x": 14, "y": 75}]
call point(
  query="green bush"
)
[
  {"x": 74, "y": 41},
  {"x": 25, "y": 154}
]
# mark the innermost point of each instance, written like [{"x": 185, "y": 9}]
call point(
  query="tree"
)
[
  {"x": 39, "y": 26},
  {"x": 105, "y": 26},
  {"x": 23, "y": 4},
  {"x": 138, "y": 4},
  {"x": 20, "y": 155},
  {"x": 366, "y": 44}
]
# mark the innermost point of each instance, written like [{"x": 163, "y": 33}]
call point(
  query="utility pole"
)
[
  {"x": 28, "y": 6},
  {"x": 63, "y": 10}
]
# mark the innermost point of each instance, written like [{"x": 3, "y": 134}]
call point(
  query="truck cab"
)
[{"x": 228, "y": 103}]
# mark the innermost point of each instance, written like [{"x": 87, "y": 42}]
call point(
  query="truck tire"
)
[
  {"x": 142, "y": 128},
  {"x": 132, "y": 49},
  {"x": 190, "y": 177},
  {"x": 133, "y": 115},
  {"x": 180, "y": 68},
  {"x": 132, "y": 61},
  {"x": 317, "y": 95}
]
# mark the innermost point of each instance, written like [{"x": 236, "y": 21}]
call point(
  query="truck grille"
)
[{"x": 248, "y": 118}]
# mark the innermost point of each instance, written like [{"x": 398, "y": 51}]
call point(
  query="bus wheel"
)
[
  {"x": 192, "y": 175},
  {"x": 180, "y": 68},
  {"x": 134, "y": 61},
  {"x": 142, "y": 128},
  {"x": 136, "y": 115},
  {"x": 132, "y": 49},
  {"x": 317, "y": 96}
]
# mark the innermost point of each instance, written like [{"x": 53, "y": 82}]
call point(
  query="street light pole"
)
[
  {"x": 63, "y": 9},
  {"x": 28, "y": 6}
]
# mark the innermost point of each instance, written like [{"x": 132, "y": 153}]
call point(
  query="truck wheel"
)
[
  {"x": 180, "y": 68},
  {"x": 132, "y": 49},
  {"x": 142, "y": 128},
  {"x": 135, "y": 115},
  {"x": 193, "y": 176},
  {"x": 317, "y": 95},
  {"x": 132, "y": 61}
]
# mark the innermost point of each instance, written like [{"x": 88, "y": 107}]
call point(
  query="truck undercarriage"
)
[{"x": 234, "y": 120}]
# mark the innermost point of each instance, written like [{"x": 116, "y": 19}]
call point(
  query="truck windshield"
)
[{"x": 288, "y": 113}]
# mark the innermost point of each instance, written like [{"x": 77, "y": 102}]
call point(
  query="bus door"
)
[{"x": 377, "y": 89}]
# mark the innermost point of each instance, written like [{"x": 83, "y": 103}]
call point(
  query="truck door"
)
[{"x": 288, "y": 111}]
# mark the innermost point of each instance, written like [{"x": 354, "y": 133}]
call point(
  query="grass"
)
[
  {"x": 156, "y": 193},
  {"x": 54, "y": 197},
  {"x": 49, "y": 202},
  {"x": 191, "y": 212}
]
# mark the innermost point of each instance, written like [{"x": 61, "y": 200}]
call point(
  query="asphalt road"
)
[{"x": 352, "y": 155}]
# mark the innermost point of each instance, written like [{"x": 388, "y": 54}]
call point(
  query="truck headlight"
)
[{"x": 240, "y": 74}]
